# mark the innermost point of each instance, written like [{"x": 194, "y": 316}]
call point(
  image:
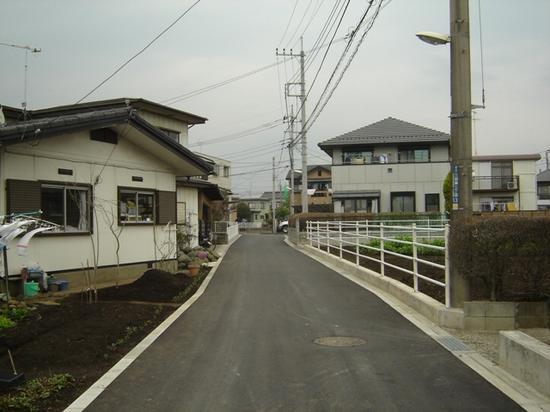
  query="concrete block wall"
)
[{"x": 526, "y": 358}]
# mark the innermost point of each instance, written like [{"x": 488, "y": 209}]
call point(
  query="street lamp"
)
[{"x": 461, "y": 103}]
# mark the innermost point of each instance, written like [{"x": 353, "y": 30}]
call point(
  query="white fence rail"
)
[{"x": 356, "y": 238}]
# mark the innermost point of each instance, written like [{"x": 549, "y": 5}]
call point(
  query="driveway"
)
[{"x": 248, "y": 345}]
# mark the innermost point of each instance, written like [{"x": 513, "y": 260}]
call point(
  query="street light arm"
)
[{"x": 433, "y": 38}]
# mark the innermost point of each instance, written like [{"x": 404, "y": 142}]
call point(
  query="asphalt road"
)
[{"x": 248, "y": 345}]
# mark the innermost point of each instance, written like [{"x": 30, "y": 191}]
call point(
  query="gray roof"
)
[
  {"x": 544, "y": 176},
  {"x": 44, "y": 127},
  {"x": 387, "y": 131}
]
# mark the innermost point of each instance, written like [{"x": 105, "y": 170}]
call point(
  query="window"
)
[
  {"x": 544, "y": 191},
  {"x": 432, "y": 202},
  {"x": 136, "y": 206},
  {"x": 226, "y": 171},
  {"x": 357, "y": 157},
  {"x": 414, "y": 154},
  {"x": 174, "y": 134},
  {"x": 501, "y": 173},
  {"x": 181, "y": 212},
  {"x": 67, "y": 206},
  {"x": 361, "y": 205},
  {"x": 403, "y": 202},
  {"x": 319, "y": 172}
]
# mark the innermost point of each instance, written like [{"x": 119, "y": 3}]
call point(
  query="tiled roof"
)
[{"x": 389, "y": 130}]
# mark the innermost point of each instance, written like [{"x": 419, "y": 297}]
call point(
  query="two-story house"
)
[
  {"x": 396, "y": 166},
  {"x": 319, "y": 185},
  {"x": 388, "y": 166}
]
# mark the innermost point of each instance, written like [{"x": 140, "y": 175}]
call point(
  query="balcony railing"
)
[{"x": 495, "y": 183}]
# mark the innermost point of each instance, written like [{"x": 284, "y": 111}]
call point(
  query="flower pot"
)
[{"x": 193, "y": 270}]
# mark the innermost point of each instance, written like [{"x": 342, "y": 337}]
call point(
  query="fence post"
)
[
  {"x": 367, "y": 229},
  {"x": 415, "y": 258},
  {"x": 309, "y": 232},
  {"x": 447, "y": 269},
  {"x": 340, "y": 237},
  {"x": 382, "y": 266},
  {"x": 357, "y": 242},
  {"x": 328, "y": 237},
  {"x": 318, "y": 236}
]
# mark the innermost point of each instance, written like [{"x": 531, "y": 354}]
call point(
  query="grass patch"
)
[
  {"x": 407, "y": 248},
  {"x": 192, "y": 287}
]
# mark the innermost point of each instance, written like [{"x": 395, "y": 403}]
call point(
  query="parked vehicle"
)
[{"x": 283, "y": 226}]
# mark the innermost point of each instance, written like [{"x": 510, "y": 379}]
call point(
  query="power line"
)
[
  {"x": 257, "y": 171},
  {"x": 238, "y": 135},
  {"x": 288, "y": 24},
  {"x": 140, "y": 52}
]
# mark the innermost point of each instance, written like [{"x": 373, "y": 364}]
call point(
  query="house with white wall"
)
[
  {"x": 397, "y": 166},
  {"x": 543, "y": 190},
  {"x": 91, "y": 168}
]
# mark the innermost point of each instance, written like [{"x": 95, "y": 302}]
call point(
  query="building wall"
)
[
  {"x": 91, "y": 161},
  {"x": 168, "y": 123},
  {"x": 190, "y": 197},
  {"x": 420, "y": 178},
  {"x": 526, "y": 170}
]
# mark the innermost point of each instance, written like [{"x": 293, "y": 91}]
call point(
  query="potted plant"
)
[{"x": 194, "y": 268}]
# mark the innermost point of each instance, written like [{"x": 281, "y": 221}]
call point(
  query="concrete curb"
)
[
  {"x": 526, "y": 358},
  {"x": 520, "y": 392},
  {"x": 85, "y": 399}
]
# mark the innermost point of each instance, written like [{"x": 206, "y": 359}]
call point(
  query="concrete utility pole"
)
[
  {"x": 461, "y": 108},
  {"x": 274, "y": 223},
  {"x": 303, "y": 133},
  {"x": 291, "y": 156}
]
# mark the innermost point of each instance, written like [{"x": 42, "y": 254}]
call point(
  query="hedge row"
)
[{"x": 505, "y": 257}]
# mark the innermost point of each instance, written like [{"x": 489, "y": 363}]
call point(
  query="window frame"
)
[
  {"x": 413, "y": 149},
  {"x": 137, "y": 190},
  {"x": 394, "y": 195},
  {"x": 346, "y": 153},
  {"x": 89, "y": 206},
  {"x": 426, "y": 202},
  {"x": 172, "y": 134}
]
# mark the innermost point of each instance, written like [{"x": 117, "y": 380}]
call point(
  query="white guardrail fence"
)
[{"x": 356, "y": 238}]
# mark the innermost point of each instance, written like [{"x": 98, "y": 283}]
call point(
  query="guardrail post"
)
[
  {"x": 318, "y": 236},
  {"x": 367, "y": 229},
  {"x": 309, "y": 232},
  {"x": 340, "y": 237},
  {"x": 447, "y": 269},
  {"x": 357, "y": 242},
  {"x": 415, "y": 257},
  {"x": 382, "y": 265}
]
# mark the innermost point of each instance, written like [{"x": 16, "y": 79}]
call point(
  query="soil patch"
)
[{"x": 87, "y": 339}]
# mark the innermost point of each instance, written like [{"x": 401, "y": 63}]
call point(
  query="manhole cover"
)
[{"x": 339, "y": 341}]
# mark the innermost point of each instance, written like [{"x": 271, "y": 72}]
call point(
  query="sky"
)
[{"x": 392, "y": 74}]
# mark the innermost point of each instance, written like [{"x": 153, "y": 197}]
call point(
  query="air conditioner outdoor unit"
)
[{"x": 511, "y": 185}]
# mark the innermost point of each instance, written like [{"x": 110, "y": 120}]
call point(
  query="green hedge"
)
[{"x": 505, "y": 257}]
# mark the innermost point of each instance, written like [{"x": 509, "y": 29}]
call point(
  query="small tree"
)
[
  {"x": 243, "y": 212},
  {"x": 283, "y": 211},
  {"x": 448, "y": 192}
]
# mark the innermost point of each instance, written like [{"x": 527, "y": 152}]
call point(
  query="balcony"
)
[{"x": 495, "y": 183}]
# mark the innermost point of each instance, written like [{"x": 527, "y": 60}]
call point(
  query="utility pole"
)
[
  {"x": 302, "y": 97},
  {"x": 291, "y": 157},
  {"x": 304, "y": 139},
  {"x": 274, "y": 224},
  {"x": 461, "y": 108}
]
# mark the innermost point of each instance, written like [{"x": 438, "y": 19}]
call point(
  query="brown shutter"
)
[
  {"x": 166, "y": 207},
  {"x": 23, "y": 196}
]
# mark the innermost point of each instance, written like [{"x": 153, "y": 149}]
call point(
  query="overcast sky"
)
[{"x": 393, "y": 73}]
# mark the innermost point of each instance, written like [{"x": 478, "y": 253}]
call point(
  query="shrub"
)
[
  {"x": 505, "y": 257},
  {"x": 28, "y": 396},
  {"x": 304, "y": 217},
  {"x": 6, "y": 322}
]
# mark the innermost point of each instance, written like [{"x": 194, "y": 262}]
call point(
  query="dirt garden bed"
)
[{"x": 68, "y": 335}]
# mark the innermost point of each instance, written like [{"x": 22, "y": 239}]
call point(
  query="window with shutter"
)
[
  {"x": 166, "y": 207},
  {"x": 23, "y": 196}
]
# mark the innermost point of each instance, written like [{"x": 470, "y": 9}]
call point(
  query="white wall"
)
[
  {"x": 167, "y": 123},
  {"x": 112, "y": 166},
  {"x": 526, "y": 170}
]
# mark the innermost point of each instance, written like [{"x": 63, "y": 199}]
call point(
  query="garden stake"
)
[{"x": 12, "y": 363}]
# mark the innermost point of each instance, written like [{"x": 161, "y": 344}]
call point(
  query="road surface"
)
[{"x": 248, "y": 345}]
